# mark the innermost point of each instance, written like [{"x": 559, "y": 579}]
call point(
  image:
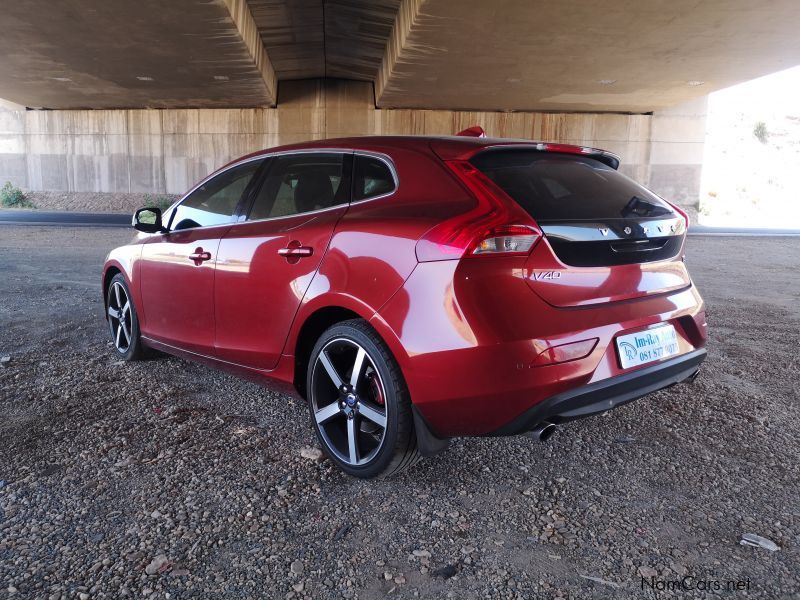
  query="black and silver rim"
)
[
  {"x": 348, "y": 400},
  {"x": 119, "y": 317}
]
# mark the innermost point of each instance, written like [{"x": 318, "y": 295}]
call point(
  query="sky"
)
[{"x": 747, "y": 182}]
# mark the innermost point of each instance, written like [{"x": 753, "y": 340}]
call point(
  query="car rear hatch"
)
[{"x": 605, "y": 237}]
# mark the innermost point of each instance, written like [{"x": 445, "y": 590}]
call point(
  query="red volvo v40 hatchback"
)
[{"x": 415, "y": 289}]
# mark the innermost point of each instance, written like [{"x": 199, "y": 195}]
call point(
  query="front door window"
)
[{"x": 214, "y": 202}]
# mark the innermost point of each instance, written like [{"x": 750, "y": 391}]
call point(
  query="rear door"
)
[
  {"x": 606, "y": 238},
  {"x": 266, "y": 263},
  {"x": 177, "y": 268}
]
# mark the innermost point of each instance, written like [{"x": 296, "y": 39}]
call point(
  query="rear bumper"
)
[
  {"x": 470, "y": 335},
  {"x": 606, "y": 394}
]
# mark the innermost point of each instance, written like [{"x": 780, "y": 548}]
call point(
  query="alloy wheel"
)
[
  {"x": 119, "y": 317},
  {"x": 348, "y": 401}
]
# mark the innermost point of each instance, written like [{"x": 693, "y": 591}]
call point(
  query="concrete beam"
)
[
  {"x": 122, "y": 54},
  {"x": 292, "y": 31},
  {"x": 356, "y": 33},
  {"x": 398, "y": 48},
  {"x": 573, "y": 55},
  {"x": 243, "y": 19},
  {"x": 325, "y": 38}
]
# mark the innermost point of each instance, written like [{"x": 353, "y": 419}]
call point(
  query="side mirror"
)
[{"x": 148, "y": 220}]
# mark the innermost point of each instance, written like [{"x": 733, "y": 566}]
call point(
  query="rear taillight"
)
[
  {"x": 680, "y": 211},
  {"x": 496, "y": 226},
  {"x": 511, "y": 239}
]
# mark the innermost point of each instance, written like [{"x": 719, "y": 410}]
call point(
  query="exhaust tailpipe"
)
[
  {"x": 542, "y": 431},
  {"x": 692, "y": 377}
]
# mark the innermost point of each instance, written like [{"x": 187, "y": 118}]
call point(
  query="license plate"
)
[{"x": 646, "y": 346}]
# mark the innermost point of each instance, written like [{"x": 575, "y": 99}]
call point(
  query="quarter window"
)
[
  {"x": 301, "y": 183},
  {"x": 214, "y": 202},
  {"x": 372, "y": 178}
]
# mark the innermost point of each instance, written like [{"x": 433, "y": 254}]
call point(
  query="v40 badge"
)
[{"x": 546, "y": 275}]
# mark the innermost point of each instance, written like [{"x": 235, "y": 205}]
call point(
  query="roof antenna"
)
[{"x": 474, "y": 131}]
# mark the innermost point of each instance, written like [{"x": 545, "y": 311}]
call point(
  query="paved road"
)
[
  {"x": 63, "y": 218},
  {"x": 72, "y": 219}
]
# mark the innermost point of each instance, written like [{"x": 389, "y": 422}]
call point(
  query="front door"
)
[
  {"x": 265, "y": 264},
  {"x": 177, "y": 268}
]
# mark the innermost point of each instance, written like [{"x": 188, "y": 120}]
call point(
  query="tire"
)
[
  {"x": 123, "y": 322},
  {"x": 375, "y": 412}
]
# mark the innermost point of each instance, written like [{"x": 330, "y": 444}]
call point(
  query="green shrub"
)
[
  {"x": 159, "y": 201},
  {"x": 761, "y": 133},
  {"x": 13, "y": 197}
]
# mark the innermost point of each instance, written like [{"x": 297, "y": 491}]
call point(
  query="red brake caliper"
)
[{"x": 375, "y": 390}]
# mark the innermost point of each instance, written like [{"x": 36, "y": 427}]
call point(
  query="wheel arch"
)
[
  {"x": 110, "y": 272},
  {"x": 313, "y": 326},
  {"x": 320, "y": 314}
]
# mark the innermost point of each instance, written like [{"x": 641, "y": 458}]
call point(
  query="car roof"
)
[{"x": 447, "y": 147}]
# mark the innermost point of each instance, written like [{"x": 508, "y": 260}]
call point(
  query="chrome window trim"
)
[
  {"x": 384, "y": 158},
  {"x": 211, "y": 176},
  {"x": 310, "y": 212}
]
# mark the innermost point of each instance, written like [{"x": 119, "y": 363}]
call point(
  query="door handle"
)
[
  {"x": 199, "y": 255},
  {"x": 296, "y": 251}
]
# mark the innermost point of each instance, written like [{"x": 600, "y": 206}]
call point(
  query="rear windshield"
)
[{"x": 564, "y": 187}]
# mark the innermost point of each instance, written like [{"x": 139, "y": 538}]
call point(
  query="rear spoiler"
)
[
  {"x": 605, "y": 157},
  {"x": 470, "y": 142}
]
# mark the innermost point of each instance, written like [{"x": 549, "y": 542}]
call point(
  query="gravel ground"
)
[
  {"x": 95, "y": 201},
  {"x": 164, "y": 479}
]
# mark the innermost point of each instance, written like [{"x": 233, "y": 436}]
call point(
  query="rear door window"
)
[
  {"x": 563, "y": 187},
  {"x": 303, "y": 182}
]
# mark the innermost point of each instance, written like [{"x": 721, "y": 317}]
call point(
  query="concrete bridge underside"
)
[
  {"x": 234, "y": 76},
  {"x": 530, "y": 55}
]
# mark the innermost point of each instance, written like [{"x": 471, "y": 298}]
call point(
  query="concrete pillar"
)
[
  {"x": 676, "y": 153},
  {"x": 13, "y": 154}
]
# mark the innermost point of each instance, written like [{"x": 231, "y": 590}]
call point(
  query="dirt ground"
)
[
  {"x": 99, "y": 202},
  {"x": 165, "y": 479}
]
